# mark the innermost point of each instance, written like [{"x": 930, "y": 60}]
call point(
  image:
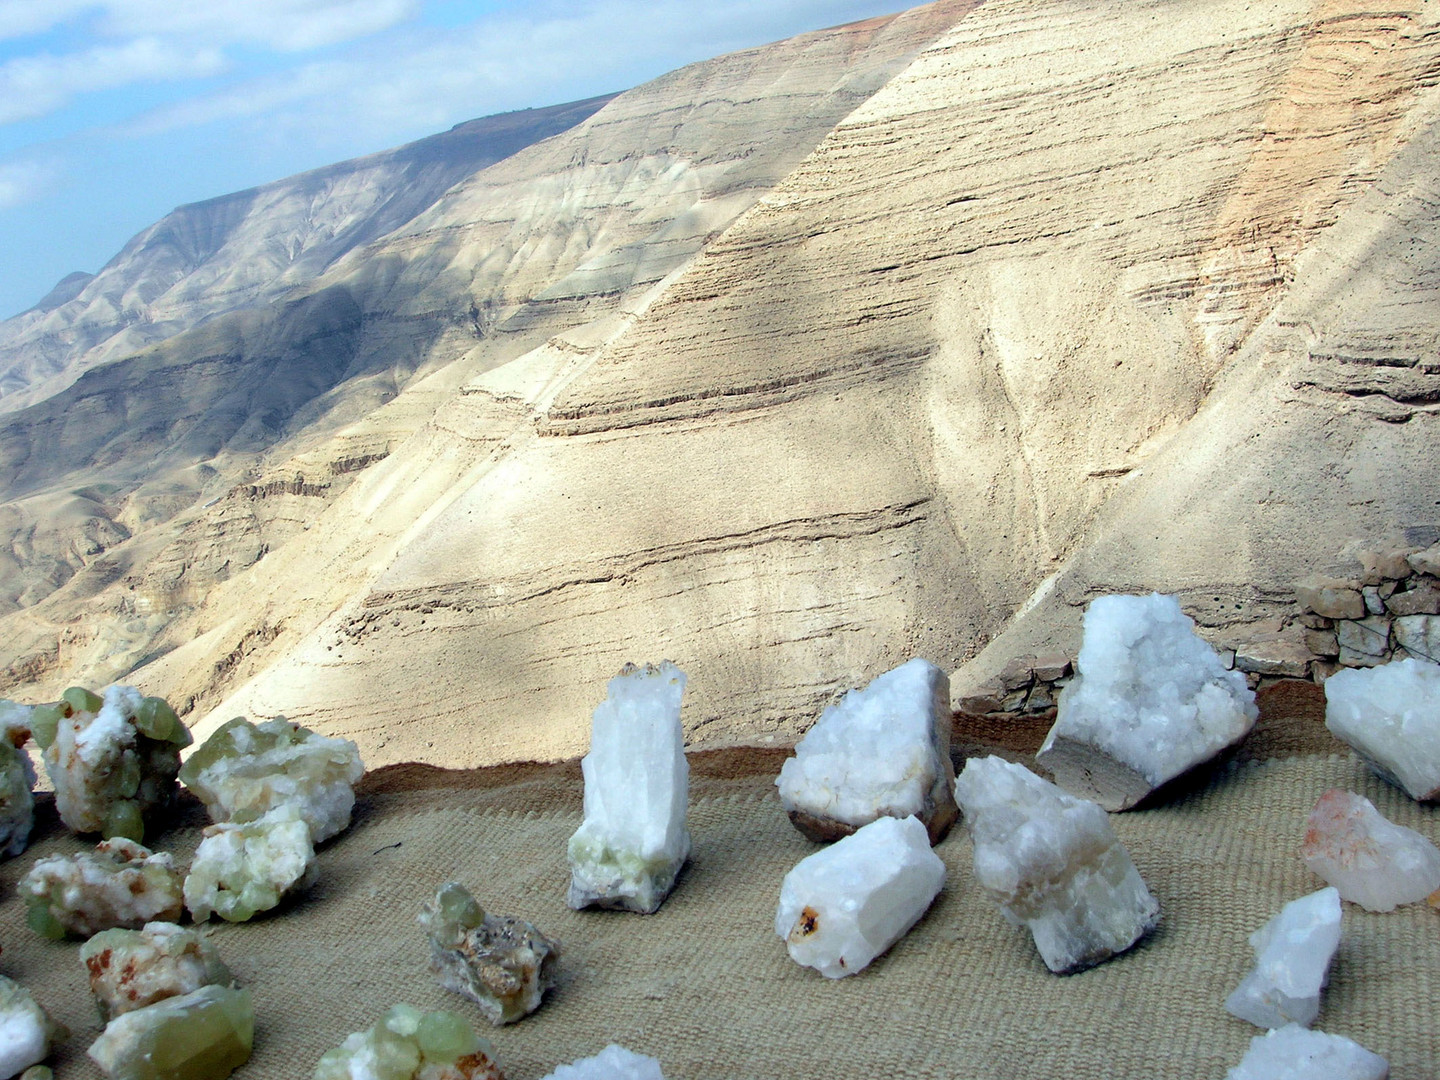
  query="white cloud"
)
[{"x": 21, "y": 181}]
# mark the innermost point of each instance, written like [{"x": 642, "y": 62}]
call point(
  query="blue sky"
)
[{"x": 112, "y": 112}]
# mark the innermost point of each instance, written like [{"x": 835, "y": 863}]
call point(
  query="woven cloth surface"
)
[{"x": 706, "y": 986}]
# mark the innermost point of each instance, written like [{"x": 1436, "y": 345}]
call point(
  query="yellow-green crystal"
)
[{"x": 203, "y": 1035}]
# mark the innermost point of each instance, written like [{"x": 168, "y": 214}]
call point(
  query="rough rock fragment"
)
[
  {"x": 1292, "y": 961},
  {"x": 1296, "y": 1053},
  {"x": 883, "y": 751},
  {"x": 1332, "y": 598},
  {"x": 407, "y": 1044},
  {"x": 203, "y": 1035},
  {"x": 241, "y": 870},
  {"x": 502, "y": 964},
  {"x": 1371, "y": 860},
  {"x": 17, "y": 778},
  {"x": 1419, "y": 636},
  {"x": 845, "y": 905},
  {"x": 1390, "y": 715},
  {"x": 245, "y": 770},
  {"x": 1054, "y": 865},
  {"x": 1151, "y": 700},
  {"x": 633, "y": 841},
  {"x": 130, "y": 969},
  {"x": 112, "y": 760},
  {"x": 122, "y": 884},
  {"x": 26, "y": 1031},
  {"x": 613, "y": 1063}
]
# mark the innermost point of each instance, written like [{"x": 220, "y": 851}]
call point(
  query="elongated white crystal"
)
[
  {"x": 245, "y": 770},
  {"x": 122, "y": 884},
  {"x": 1292, "y": 961},
  {"x": 407, "y": 1044},
  {"x": 17, "y": 778},
  {"x": 1296, "y": 1053},
  {"x": 1391, "y": 715},
  {"x": 883, "y": 751},
  {"x": 613, "y": 1063},
  {"x": 241, "y": 870},
  {"x": 1054, "y": 865},
  {"x": 130, "y": 969},
  {"x": 843, "y": 906},
  {"x": 204, "y": 1035},
  {"x": 1371, "y": 860},
  {"x": 1150, "y": 700},
  {"x": 633, "y": 840},
  {"x": 26, "y": 1031}
]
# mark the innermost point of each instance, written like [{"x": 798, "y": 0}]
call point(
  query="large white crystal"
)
[
  {"x": 1292, "y": 960},
  {"x": 612, "y": 1063},
  {"x": 633, "y": 840},
  {"x": 1296, "y": 1053},
  {"x": 1150, "y": 701},
  {"x": 241, "y": 870},
  {"x": 17, "y": 778},
  {"x": 1391, "y": 715},
  {"x": 843, "y": 906},
  {"x": 1054, "y": 864},
  {"x": 26, "y": 1031},
  {"x": 122, "y": 884},
  {"x": 883, "y": 751},
  {"x": 1371, "y": 860}
]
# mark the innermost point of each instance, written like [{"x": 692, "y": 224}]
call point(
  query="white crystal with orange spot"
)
[{"x": 1371, "y": 860}]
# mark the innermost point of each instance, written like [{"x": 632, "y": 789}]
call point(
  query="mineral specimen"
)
[
  {"x": 17, "y": 778},
  {"x": 1150, "y": 701},
  {"x": 245, "y": 770},
  {"x": 1371, "y": 860},
  {"x": 407, "y": 1044},
  {"x": 633, "y": 840},
  {"x": 1292, "y": 960},
  {"x": 202, "y": 1035},
  {"x": 845, "y": 905},
  {"x": 612, "y": 1063},
  {"x": 112, "y": 760},
  {"x": 883, "y": 751},
  {"x": 26, "y": 1032},
  {"x": 504, "y": 965},
  {"x": 1296, "y": 1053},
  {"x": 1391, "y": 716},
  {"x": 130, "y": 969},
  {"x": 1054, "y": 864},
  {"x": 122, "y": 884},
  {"x": 241, "y": 870}
]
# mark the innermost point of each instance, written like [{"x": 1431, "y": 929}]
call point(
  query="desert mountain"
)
[{"x": 904, "y": 338}]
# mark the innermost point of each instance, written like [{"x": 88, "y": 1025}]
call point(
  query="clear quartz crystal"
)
[
  {"x": 26, "y": 1031},
  {"x": 1371, "y": 860},
  {"x": 1296, "y": 1053},
  {"x": 845, "y": 905},
  {"x": 204, "y": 1035},
  {"x": 633, "y": 841},
  {"x": 883, "y": 751},
  {"x": 407, "y": 1044},
  {"x": 1150, "y": 701},
  {"x": 241, "y": 870},
  {"x": 1054, "y": 865},
  {"x": 245, "y": 770},
  {"x": 112, "y": 760},
  {"x": 613, "y": 1063},
  {"x": 502, "y": 964},
  {"x": 1391, "y": 716},
  {"x": 1292, "y": 961},
  {"x": 122, "y": 884},
  {"x": 130, "y": 969},
  {"x": 17, "y": 778}
]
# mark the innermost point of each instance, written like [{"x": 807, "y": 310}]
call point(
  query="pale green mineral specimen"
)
[
  {"x": 17, "y": 778},
  {"x": 130, "y": 969},
  {"x": 245, "y": 770},
  {"x": 112, "y": 760},
  {"x": 203, "y": 1035},
  {"x": 407, "y": 1044},
  {"x": 122, "y": 884},
  {"x": 241, "y": 870},
  {"x": 26, "y": 1031}
]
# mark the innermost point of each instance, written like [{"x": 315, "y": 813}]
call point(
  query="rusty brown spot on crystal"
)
[{"x": 808, "y": 922}]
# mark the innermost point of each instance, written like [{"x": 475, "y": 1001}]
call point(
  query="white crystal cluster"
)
[
  {"x": 633, "y": 840},
  {"x": 883, "y": 751},
  {"x": 130, "y": 969},
  {"x": 203, "y": 1035},
  {"x": 1296, "y": 1053},
  {"x": 1054, "y": 865},
  {"x": 843, "y": 906},
  {"x": 408, "y": 1044},
  {"x": 17, "y": 778},
  {"x": 241, "y": 870},
  {"x": 122, "y": 884},
  {"x": 1391, "y": 716},
  {"x": 1368, "y": 858},
  {"x": 613, "y": 1063},
  {"x": 1292, "y": 961},
  {"x": 1150, "y": 700},
  {"x": 245, "y": 770},
  {"x": 26, "y": 1031}
]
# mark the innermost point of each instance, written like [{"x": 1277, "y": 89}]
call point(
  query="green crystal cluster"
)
[
  {"x": 241, "y": 870},
  {"x": 130, "y": 969},
  {"x": 112, "y": 759},
  {"x": 122, "y": 884},
  {"x": 407, "y": 1044},
  {"x": 203, "y": 1035}
]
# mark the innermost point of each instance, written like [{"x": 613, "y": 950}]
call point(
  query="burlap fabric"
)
[{"x": 705, "y": 985}]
